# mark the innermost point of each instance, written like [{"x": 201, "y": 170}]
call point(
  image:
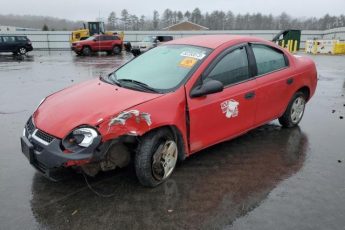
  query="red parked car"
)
[
  {"x": 108, "y": 43},
  {"x": 168, "y": 104}
]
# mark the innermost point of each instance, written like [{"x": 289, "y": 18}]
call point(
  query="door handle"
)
[
  {"x": 289, "y": 81},
  {"x": 249, "y": 95}
]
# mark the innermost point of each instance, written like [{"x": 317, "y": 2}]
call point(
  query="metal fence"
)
[{"x": 59, "y": 40}]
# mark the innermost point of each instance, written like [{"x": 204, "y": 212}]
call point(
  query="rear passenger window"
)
[
  {"x": 268, "y": 59},
  {"x": 21, "y": 38},
  {"x": 232, "y": 68}
]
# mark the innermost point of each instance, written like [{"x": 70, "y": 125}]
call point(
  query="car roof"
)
[{"x": 213, "y": 41}]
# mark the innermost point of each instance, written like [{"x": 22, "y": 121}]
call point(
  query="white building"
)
[{"x": 5, "y": 29}]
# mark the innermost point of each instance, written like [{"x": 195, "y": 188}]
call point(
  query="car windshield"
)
[
  {"x": 91, "y": 38},
  {"x": 162, "y": 68},
  {"x": 149, "y": 39}
]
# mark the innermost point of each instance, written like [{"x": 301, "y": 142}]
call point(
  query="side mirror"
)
[{"x": 208, "y": 87}]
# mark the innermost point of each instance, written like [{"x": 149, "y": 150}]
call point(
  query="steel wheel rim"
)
[
  {"x": 116, "y": 49},
  {"x": 297, "y": 109},
  {"x": 164, "y": 160},
  {"x": 22, "y": 51},
  {"x": 87, "y": 50}
]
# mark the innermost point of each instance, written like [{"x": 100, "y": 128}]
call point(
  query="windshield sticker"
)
[
  {"x": 230, "y": 108},
  {"x": 198, "y": 56},
  {"x": 188, "y": 62}
]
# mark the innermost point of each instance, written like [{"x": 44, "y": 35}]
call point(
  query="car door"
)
[
  {"x": 105, "y": 42},
  {"x": 220, "y": 116},
  {"x": 98, "y": 45},
  {"x": 2, "y": 44},
  {"x": 9, "y": 43},
  {"x": 272, "y": 80}
]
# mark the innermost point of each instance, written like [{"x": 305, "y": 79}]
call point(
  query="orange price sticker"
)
[{"x": 188, "y": 62}]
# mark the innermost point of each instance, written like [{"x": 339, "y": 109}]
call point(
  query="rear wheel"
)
[
  {"x": 116, "y": 50},
  {"x": 22, "y": 51},
  {"x": 86, "y": 51},
  {"x": 294, "y": 112},
  {"x": 156, "y": 157}
]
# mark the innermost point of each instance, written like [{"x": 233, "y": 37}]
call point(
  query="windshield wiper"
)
[
  {"x": 140, "y": 84},
  {"x": 112, "y": 80}
]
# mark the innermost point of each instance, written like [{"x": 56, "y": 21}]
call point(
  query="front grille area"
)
[
  {"x": 44, "y": 136},
  {"x": 30, "y": 126}
]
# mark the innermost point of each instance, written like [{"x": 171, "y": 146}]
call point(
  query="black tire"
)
[
  {"x": 86, "y": 51},
  {"x": 150, "y": 145},
  {"x": 135, "y": 52},
  {"x": 21, "y": 51},
  {"x": 117, "y": 50},
  {"x": 128, "y": 46},
  {"x": 293, "y": 116}
]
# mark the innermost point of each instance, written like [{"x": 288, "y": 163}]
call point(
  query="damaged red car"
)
[{"x": 168, "y": 104}]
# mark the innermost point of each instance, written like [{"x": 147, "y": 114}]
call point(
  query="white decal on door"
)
[{"x": 230, "y": 108}]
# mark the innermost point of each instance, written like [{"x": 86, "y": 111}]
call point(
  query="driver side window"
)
[{"x": 232, "y": 68}]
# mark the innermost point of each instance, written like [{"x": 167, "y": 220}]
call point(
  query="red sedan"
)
[
  {"x": 168, "y": 104},
  {"x": 108, "y": 43}
]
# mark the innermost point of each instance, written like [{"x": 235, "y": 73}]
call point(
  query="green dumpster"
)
[{"x": 290, "y": 39}]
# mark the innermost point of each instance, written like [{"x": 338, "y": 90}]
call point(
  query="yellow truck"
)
[{"x": 92, "y": 28}]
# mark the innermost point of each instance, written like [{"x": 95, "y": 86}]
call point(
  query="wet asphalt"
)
[{"x": 270, "y": 178}]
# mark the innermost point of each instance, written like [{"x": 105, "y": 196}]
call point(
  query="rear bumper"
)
[{"x": 29, "y": 48}]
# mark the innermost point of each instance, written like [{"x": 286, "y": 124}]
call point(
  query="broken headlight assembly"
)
[{"x": 79, "y": 138}]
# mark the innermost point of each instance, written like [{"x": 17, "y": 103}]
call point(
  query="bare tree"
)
[
  {"x": 167, "y": 17},
  {"x": 196, "y": 16},
  {"x": 112, "y": 20},
  {"x": 187, "y": 15},
  {"x": 155, "y": 20},
  {"x": 45, "y": 28},
  {"x": 124, "y": 18}
]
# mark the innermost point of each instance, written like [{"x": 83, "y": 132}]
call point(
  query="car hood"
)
[{"x": 88, "y": 103}]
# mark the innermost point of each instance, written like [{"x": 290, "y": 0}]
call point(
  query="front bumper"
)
[
  {"x": 45, "y": 153},
  {"x": 76, "y": 48}
]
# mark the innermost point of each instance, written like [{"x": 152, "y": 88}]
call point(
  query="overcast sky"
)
[{"x": 90, "y": 9}]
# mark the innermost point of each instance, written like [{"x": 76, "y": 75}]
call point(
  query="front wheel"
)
[
  {"x": 86, "y": 51},
  {"x": 294, "y": 112},
  {"x": 156, "y": 157}
]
